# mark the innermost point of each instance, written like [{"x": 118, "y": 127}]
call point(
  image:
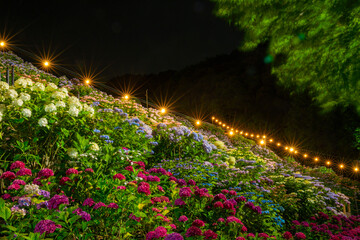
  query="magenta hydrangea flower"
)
[
  {"x": 179, "y": 202},
  {"x": 160, "y": 232},
  {"x": 228, "y": 205},
  {"x": 129, "y": 168},
  {"x": 89, "y": 170},
  {"x": 119, "y": 176},
  {"x": 17, "y": 164},
  {"x": 63, "y": 180},
  {"x": 151, "y": 235},
  {"x": 174, "y": 236},
  {"x": 240, "y": 238},
  {"x": 173, "y": 226},
  {"x": 219, "y": 197},
  {"x": 224, "y": 191},
  {"x": 84, "y": 215},
  {"x": 19, "y": 181},
  {"x": 57, "y": 200},
  {"x": 193, "y": 231},
  {"x": 46, "y": 226},
  {"x": 198, "y": 223},
  {"x": 88, "y": 202},
  {"x": 218, "y": 204},
  {"x": 244, "y": 229},
  {"x": 221, "y": 220},
  {"x": 144, "y": 187},
  {"x": 191, "y": 182},
  {"x": 181, "y": 182},
  {"x": 113, "y": 205},
  {"x": 185, "y": 192},
  {"x": 201, "y": 192},
  {"x": 153, "y": 178},
  {"x": 8, "y": 175},
  {"x": 287, "y": 235},
  {"x": 6, "y": 196},
  {"x": 300, "y": 235},
  {"x": 233, "y": 219},
  {"x": 232, "y": 192},
  {"x": 173, "y": 179},
  {"x": 240, "y": 199},
  {"x": 24, "y": 172},
  {"x": 263, "y": 235},
  {"x": 14, "y": 187},
  {"x": 183, "y": 218},
  {"x": 141, "y": 164},
  {"x": 71, "y": 171},
  {"x": 160, "y": 188},
  {"x": 99, "y": 205},
  {"x": 208, "y": 234},
  {"x": 45, "y": 173},
  {"x": 121, "y": 187}
]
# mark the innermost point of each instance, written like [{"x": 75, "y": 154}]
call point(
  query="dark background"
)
[{"x": 181, "y": 53}]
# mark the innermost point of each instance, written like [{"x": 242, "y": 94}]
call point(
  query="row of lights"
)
[{"x": 263, "y": 141}]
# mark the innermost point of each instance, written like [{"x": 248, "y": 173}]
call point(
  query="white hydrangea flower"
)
[
  {"x": 43, "y": 122},
  {"x": 50, "y": 108},
  {"x": 31, "y": 188},
  {"x": 25, "y": 97},
  {"x": 89, "y": 109},
  {"x": 11, "y": 93},
  {"x": 26, "y": 112},
  {"x": 94, "y": 146},
  {"x": 60, "y": 104},
  {"x": 23, "y": 82},
  {"x": 64, "y": 90},
  {"x": 74, "y": 111},
  {"x": 38, "y": 87},
  {"x": 51, "y": 87},
  {"x": 3, "y": 86},
  {"x": 17, "y": 102},
  {"x": 72, "y": 152},
  {"x": 59, "y": 95}
]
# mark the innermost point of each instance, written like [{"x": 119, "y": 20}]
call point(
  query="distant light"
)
[
  {"x": 316, "y": 159},
  {"x": 220, "y": 123},
  {"x": 296, "y": 152},
  {"x": 270, "y": 140},
  {"x": 341, "y": 166},
  {"x": 126, "y": 96},
  {"x": 198, "y": 122},
  {"x": 328, "y": 162},
  {"x": 279, "y": 144},
  {"x": 246, "y": 134},
  {"x": 216, "y": 120},
  {"x": 252, "y": 135},
  {"x": 356, "y": 169},
  {"x": 237, "y": 131},
  {"x": 2, "y": 44},
  {"x": 286, "y": 148},
  {"x": 232, "y": 129},
  {"x": 291, "y": 149},
  {"x": 224, "y": 125},
  {"x": 241, "y": 132},
  {"x": 87, "y": 81},
  {"x": 163, "y": 110},
  {"x": 231, "y": 133},
  {"x": 46, "y": 63},
  {"x": 305, "y": 155},
  {"x": 257, "y": 136},
  {"x": 213, "y": 118},
  {"x": 262, "y": 142},
  {"x": 264, "y": 136},
  {"x": 227, "y": 127}
]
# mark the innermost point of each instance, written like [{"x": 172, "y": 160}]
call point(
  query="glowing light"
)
[
  {"x": 246, "y": 134},
  {"x": 198, "y": 122},
  {"x": 291, "y": 149},
  {"x": 216, "y": 120},
  {"x": 227, "y": 127},
  {"x": 163, "y": 110},
  {"x": 257, "y": 136},
  {"x": 264, "y": 136},
  {"x": 87, "y": 81},
  {"x": 279, "y": 144},
  {"x": 328, "y": 162},
  {"x": 224, "y": 125},
  {"x": 220, "y": 123},
  {"x": 252, "y": 135},
  {"x": 46, "y": 63},
  {"x": 2, "y": 44},
  {"x": 286, "y": 148},
  {"x": 237, "y": 131},
  {"x": 270, "y": 140},
  {"x": 341, "y": 166},
  {"x": 262, "y": 142},
  {"x": 305, "y": 155},
  {"x": 213, "y": 118},
  {"x": 356, "y": 169},
  {"x": 232, "y": 129},
  {"x": 316, "y": 159},
  {"x": 241, "y": 132},
  {"x": 126, "y": 96},
  {"x": 231, "y": 133},
  {"x": 296, "y": 152}
]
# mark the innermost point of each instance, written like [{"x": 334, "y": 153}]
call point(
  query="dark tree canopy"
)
[{"x": 313, "y": 45}]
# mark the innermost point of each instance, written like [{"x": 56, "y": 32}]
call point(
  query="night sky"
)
[{"x": 133, "y": 36}]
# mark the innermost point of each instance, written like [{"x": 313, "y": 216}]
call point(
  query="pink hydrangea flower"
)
[
  {"x": 8, "y": 175},
  {"x": 119, "y": 176},
  {"x": 17, "y": 164},
  {"x": 72, "y": 171},
  {"x": 14, "y": 187},
  {"x": 23, "y": 172},
  {"x": 45, "y": 173}
]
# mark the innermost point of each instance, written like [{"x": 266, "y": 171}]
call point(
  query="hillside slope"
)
[{"x": 97, "y": 167}]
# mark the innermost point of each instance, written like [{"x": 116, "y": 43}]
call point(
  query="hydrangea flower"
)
[
  {"x": 88, "y": 202},
  {"x": 174, "y": 236},
  {"x": 193, "y": 231},
  {"x": 57, "y": 200},
  {"x": 72, "y": 171},
  {"x": 8, "y": 175},
  {"x": 45, "y": 173},
  {"x": 17, "y": 165},
  {"x": 183, "y": 218},
  {"x": 46, "y": 226},
  {"x": 24, "y": 172}
]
